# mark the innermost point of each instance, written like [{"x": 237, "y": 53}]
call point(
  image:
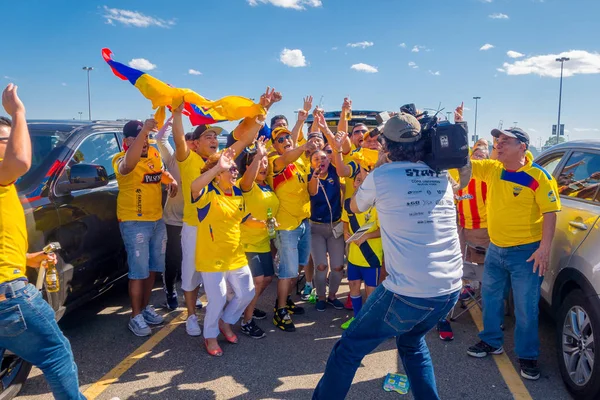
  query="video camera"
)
[{"x": 446, "y": 144}]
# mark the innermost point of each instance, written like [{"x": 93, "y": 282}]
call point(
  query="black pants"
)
[{"x": 173, "y": 259}]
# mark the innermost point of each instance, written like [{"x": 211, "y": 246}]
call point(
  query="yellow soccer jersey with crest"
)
[
  {"x": 189, "y": 169},
  {"x": 218, "y": 244},
  {"x": 290, "y": 186},
  {"x": 13, "y": 235},
  {"x": 258, "y": 200},
  {"x": 140, "y": 196}
]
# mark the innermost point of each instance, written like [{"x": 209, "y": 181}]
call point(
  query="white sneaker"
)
[
  {"x": 191, "y": 326},
  {"x": 151, "y": 317},
  {"x": 138, "y": 326}
]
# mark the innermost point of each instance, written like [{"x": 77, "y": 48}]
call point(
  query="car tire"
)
[
  {"x": 576, "y": 304},
  {"x": 16, "y": 383}
]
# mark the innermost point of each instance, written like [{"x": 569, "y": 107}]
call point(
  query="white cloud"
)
[
  {"x": 334, "y": 48},
  {"x": 142, "y": 64},
  {"x": 582, "y": 62},
  {"x": 486, "y": 46},
  {"x": 498, "y": 16},
  {"x": 63, "y": 84},
  {"x": 418, "y": 48},
  {"x": 413, "y": 65},
  {"x": 362, "y": 67},
  {"x": 532, "y": 130},
  {"x": 514, "y": 54},
  {"x": 403, "y": 45},
  {"x": 194, "y": 72},
  {"x": 134, "y": 18},
  {"x": 8, "y": 77},
  {"x": 362, "y": 45},
  {"x": 586, "y": 129},
  {"x": 500, "y": 70},
  {"x": 292, "y": 58},
  {"x": 415, "y": 49},
  {"x": 293, "y": 4},
  {"x": 436, "y": 73}
]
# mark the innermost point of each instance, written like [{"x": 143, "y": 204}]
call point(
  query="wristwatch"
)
[{"x": 259, "y": 122}]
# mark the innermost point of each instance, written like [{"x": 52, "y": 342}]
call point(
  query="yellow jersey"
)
[
  {"x": 370, "y": 253},
  {"x": 140, "y": 192},
  {"x": 516, "y": 201},
  {"x": 290, "y": 186},
  {"x": 349, "y": 181},
  {"x": 258, "y": 200},
  {"x": 189, "y": 169},
  {"x": 471, "y": 203},
  {"x": 13, "y": 235},
  {"x": 218, "y": 244}
]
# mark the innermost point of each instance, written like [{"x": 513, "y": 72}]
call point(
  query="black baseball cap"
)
[
  {"x": 516, "y": 133},
  {"x": 202, "y": 129},
  {"x": 315, "y": 135},
  {"x": 132, "y": 128}
]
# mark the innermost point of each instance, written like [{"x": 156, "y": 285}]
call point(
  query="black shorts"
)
[{"x": 261, "y": 264}]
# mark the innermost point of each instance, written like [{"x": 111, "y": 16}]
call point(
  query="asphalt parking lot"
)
[{"x": 171, "y": 365}]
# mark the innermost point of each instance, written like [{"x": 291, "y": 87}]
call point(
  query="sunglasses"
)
[
  {"x": 4, "y": 139},
  {"x": 329, "y": 151},
  {"x": 283, "y": 138},
  {"x": 361, "y": 131}
]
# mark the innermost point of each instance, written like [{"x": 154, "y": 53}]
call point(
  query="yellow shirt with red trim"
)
[
  {"x": 516, "y": 201},
  {"x": 189, "y": 169},
  {"x": 258, "y": 200},
  {"x": 471, "y": 203},
  {"x": 218, "y": 242},
  {"x": 13, "y": 235},
  {"x": 290, "y": 186},
  {"x": 370, "y": 253},
  {"x": 140, "y": 196}
]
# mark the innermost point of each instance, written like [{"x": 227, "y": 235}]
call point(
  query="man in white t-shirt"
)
[{"x": 423, "y": 261}]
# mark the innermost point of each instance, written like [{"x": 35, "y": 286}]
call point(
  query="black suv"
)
[{"x": 70, "y": 196}]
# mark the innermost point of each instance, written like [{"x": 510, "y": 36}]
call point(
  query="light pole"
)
[
  {"x": 561, "y": 60},
  {"x": 88, "y": 69},
  {"x": 515, "y": 124},
  {"x": 448, "y": 114},
  {"x": 80, "y": 115},
  {"x": 475, "y": 138}
]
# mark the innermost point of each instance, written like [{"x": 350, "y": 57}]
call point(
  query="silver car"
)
[{"x": 571, "y": 287}]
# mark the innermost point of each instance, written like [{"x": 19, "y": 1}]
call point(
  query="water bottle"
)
[{"x": 270, "y": 223}]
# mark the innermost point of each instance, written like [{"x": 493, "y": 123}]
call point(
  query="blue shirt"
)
[{"x": 328, "y": 190}]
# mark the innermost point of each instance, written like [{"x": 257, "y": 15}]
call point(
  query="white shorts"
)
[{"x": 190, "y": 278}]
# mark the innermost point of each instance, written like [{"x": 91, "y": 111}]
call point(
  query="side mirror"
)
[{"x": 85, "y": 176}]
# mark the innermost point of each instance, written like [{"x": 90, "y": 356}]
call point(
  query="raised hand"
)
[
  {"x": 320, "y": 119},
  {"x": 347, "y": 105},
  {"x": 227, "y": 159},
  {"x": 179, "y": 109},
  {"x": 11, "y": 101},
  {"x": 277, "y": 97},
  {"x": 458, "y": 113},
  {"x": 261, "y": 147},
  {"x": 150, "y": 125},
  {"x": 340, "y": 138},
  {"x": 266, "y": 99},
  {"x": 307, "y": 104},
  {"x": 302, "y": 115}
]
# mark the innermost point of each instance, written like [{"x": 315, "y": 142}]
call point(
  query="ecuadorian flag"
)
[{"x": 197, "y": 108}]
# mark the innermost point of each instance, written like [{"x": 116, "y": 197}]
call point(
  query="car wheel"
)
[
  {"x": 578, "y": 325},
  {"x": 13, "y": 374}
]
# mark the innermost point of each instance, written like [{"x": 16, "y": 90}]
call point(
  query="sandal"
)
[
  {"x": 215, "y": 353},
  {"x": 233, "y": 339}
]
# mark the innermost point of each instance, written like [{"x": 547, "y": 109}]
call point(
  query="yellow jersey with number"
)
[
  {"x": 218, "y": 241},
  {"x": 290, "y": 186},
  {"x": 140, "y": 191},
  {"x": 258, "y": 200},
  {"x": 13, "y": 235},
  {"x": 189, "y": 169}
]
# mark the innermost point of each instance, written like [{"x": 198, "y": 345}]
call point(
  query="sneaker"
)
[
  {"x": 283, "y": 321},
  {"x": 346, "y": 324},
  {"x": 199, "y": 304},
  {"x": 321, "y": 305},
  {"x": 482, "y": 349},
  {"x": 259, "y": 314},
  {"x": 252, "y": 330},
  {"x": 305, "y": 296},
  {"x": 466, "y": 293},
  {"x": 151, "y": 317},
  {"x": 138, "y": 326},
  {"x": 445, "y": 330},
  {"x": 192, "y": 327},
  {"x": 293, "y": 308},
  {"x": 338, "y": 305},
  {"x": 172, "y": 303},
  {"x": 348, "y": 305},
  {"x": 529, "y": 369}
]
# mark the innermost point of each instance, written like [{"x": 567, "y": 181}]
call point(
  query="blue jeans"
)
[
  {"x": 505, "y": 265},
  {"x": 294, "y": 250},
  {"x": 386, "y": 315},
  {"x": 146, "y": 246},
  {"x": 28, "y": 329}
]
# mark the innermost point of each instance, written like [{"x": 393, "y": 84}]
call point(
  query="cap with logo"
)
[
  {"x": 203, "y": 130},
  {"x": 132, "y": 128},
  {"x": 403, "y": 128},
  {"x": 515, "y": 133},
  {"x": 278, "y": 132}
]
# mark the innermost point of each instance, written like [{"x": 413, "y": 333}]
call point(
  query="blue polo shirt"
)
[{"x": 329, "y": 189}]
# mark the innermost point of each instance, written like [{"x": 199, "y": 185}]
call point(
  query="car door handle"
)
[{"x": 578, "y": 225}]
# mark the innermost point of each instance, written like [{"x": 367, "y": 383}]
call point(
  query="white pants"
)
[
  {"x": 215, "y": 286},
  {"x": 190, "y": 278}
]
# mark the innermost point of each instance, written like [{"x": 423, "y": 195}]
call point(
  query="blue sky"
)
[{"x": 237, "y": 46}]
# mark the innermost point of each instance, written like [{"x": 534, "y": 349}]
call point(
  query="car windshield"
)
[{"x": 43, "y": 144}]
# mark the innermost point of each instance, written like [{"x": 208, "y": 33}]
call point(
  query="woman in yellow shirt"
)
[{"x": 220, "y": 254}]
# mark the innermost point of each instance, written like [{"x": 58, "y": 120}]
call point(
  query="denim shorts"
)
[
  {"x": 294, "y": 250},
  {"x": 146, "y": 245},
  {"x": 369, "y": 275},
  {"x": 261, "y": 264}
]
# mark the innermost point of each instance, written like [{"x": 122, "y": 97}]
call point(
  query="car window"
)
[
  {"x": 580, "y": 177},
  {"x": 97, "y": 149},
  {"x": 551, "y": 163}
]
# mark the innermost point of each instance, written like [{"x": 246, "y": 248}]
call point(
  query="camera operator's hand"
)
[{"x": 458, "y": 113}]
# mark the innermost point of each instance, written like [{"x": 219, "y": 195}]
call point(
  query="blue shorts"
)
[
  {"x": 369, "y": 275},
  {"x": 146, "y": 245},
  {"x": 294, "y": 250},
  {"x": 261, "y": 264}
]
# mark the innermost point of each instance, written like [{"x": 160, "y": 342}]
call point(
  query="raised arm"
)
[
  {"x": 341, "y": 167},
  {"x": 17, "y": 158},
  {"x": 225, "y": 162},
  {"x": 181, "y": 148},
  {"x": 251, "y": 173},
  {"x": 313, "y": 184},
  {"x": 302, "y": 115},
  {"x": 343, "y": 122},
  {"x": 162, "y": 141},
  {"x": 289, "y": 157},
  {"x": 134, "y": 153}
]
